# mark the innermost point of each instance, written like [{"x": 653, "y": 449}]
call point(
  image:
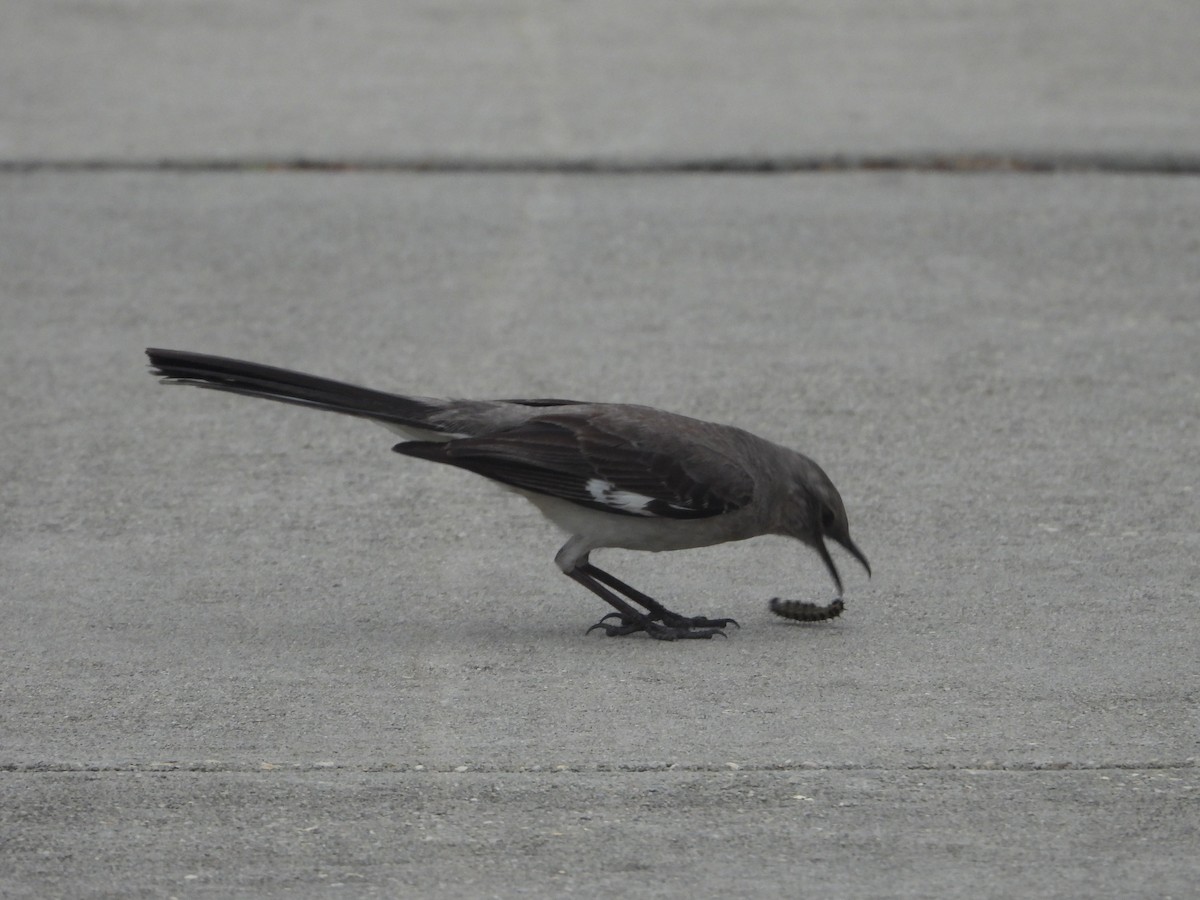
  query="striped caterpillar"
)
[{"x": 802, "y": 611}]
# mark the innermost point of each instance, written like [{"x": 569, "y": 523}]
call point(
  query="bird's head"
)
[{"x": 814, "y": 512}]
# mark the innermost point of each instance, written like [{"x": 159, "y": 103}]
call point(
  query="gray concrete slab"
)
[
  {"x": 247, "y": 643},
  {"x": 864, "y": 833},
  {"x": 139, "y": 80}
]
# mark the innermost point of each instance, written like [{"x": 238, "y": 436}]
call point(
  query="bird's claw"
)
[{"x": 657, "y": 630}]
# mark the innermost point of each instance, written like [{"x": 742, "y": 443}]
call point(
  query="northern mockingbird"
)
[{"x": 610, "y": 475}]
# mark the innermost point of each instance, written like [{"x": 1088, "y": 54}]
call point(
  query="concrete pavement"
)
[
  {"x": 250, "y": 652},
  {"x": 140, "y": 80}
]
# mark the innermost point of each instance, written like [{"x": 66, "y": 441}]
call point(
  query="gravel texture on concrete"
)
[
  {"x": 227, "y": 618},
  {"x": 376, "y": 79}
]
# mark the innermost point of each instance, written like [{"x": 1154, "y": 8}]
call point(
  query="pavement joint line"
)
[
  {"x": 943, "y": 162},
  {"x": 220, "y": 767}
]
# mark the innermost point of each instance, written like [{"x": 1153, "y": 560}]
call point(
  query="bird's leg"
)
[
  {"x": 631, "y": 620},
  {"x": 658, "y": 612}
]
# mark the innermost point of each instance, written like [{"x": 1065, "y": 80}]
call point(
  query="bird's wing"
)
[{"x": 602, "y": 463}]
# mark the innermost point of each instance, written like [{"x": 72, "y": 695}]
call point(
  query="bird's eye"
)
[{"x": 828, "y": 519}]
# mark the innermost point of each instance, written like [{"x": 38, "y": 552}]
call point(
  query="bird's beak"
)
[
  {"x": 853, "y": 550},
  {"x": 823, "y": 552},
  {"x": 857, "y": 554}
]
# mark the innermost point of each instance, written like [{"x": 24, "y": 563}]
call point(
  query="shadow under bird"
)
[{"x": 608, "y": 474}]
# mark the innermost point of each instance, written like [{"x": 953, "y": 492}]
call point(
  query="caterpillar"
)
[{"x": 803, "y": 611}]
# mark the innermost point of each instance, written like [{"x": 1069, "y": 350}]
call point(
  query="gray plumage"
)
[{"x": 610, "y": 475}]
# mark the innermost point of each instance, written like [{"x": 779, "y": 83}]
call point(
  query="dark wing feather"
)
[
  {"x": 577, "y": 459},
  {"x": 544, "y": 401},
  {"x": 251, "y": 379}
]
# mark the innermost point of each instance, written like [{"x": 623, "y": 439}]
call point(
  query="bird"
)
[{"x": 608, "y": 474}]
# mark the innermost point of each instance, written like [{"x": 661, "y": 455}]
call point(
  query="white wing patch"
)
[{"x": 627, "y": 501}]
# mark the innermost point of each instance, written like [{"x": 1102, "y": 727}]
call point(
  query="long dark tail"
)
[{"x": 255, "y": 380}]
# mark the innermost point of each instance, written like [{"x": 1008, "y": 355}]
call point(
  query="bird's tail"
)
[{"x": 255, "y": 380}]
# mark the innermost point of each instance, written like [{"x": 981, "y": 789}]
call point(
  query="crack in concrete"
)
[
  {"x": 223, "y": 767},
  {"x": 957, "y": 163}
]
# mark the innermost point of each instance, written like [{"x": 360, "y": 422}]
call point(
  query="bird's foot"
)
[
  {"x": 682, "y": 629},
  {"x": 674, "y": 620}
]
